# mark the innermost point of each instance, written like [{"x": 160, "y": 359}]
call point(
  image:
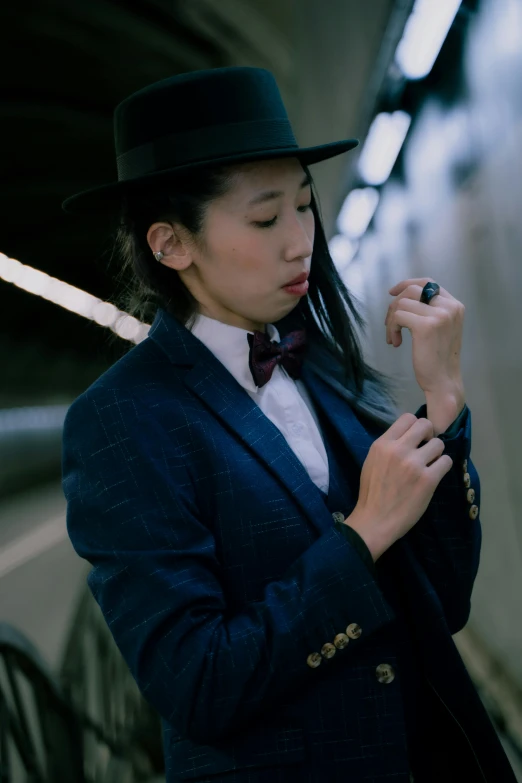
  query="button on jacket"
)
[{"x": 230, "y": 589}]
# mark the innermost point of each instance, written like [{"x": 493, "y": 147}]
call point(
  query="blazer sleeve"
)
[
  {"x": 132, "y": 512},
  {"x": 359, "y": 544},
  {"x": 447, "y": 539}
]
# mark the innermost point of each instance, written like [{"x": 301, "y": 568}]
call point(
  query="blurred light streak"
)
[
  {"x": 71, "y": 298},
  {"x": 424, "y": 35},
  {"x": 355, "y": 279},
  {"x": 342, "y": 249},
  {"x": 382, "y": 146},
  {"x": 31, "y": 418},
  {"x": 394, "y": 211},
  {"x": 443, "y": 139},
  {"x": 506, "y": 34},
  {"x": 357, "y": 211}
]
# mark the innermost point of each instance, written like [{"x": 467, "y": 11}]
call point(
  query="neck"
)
[{"x": 231, "y": 319}]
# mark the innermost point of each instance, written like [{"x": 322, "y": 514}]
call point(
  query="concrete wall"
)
[{"x": 457, "y": 218}]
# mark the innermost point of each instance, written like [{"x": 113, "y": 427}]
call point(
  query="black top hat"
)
[{"x": 201, "y": 118}]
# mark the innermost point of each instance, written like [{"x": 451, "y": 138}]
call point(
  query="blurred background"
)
[{"x": 433, "y": 89}]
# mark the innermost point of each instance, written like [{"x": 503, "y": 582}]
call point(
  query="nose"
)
[{"x": 300, "y": 239}]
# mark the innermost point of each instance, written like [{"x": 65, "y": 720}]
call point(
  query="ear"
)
[{"x": 172, "y": 241}]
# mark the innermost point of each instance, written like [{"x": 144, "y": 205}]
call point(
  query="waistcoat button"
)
[{"x": 385, "y": 673}]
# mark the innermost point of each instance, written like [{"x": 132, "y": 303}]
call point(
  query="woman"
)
[{"x": 281, "y": 564}]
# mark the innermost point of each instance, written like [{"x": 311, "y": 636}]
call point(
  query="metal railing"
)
[
  {"x": 40, "y": 734},
  {"x": 122, "y": 733},
  {"x": 30, "y": 446},
  {"x": 89, "y": 724}
]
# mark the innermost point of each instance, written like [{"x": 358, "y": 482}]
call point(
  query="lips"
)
[{"x": 300, "y": 279}]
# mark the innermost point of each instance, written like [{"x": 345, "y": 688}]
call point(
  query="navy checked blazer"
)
[{"x": 218, "y": 571}]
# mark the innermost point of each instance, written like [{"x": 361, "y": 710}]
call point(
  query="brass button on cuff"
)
[
  {"x": 354, "y": 631},
  {"x": 467, "y": 479},
  {"x": 465, "y": 466},
  {"x": 473, "y": 512},
  {"x": 328, "y": 650},
  {"x": 470, "y": 495},
  {"x": 341, "y": 640},
  {"x": 338, "y": 516},
  {"x": 385, "y": 673},
  {"x": 313, "y": 660}
]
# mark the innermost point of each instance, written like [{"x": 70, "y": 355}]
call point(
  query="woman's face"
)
[{"x": 256, "y": 238}]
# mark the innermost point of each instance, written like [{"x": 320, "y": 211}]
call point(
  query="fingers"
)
[
  {"x": 421, "y": 430},
  {"x": 440, "y": 467},
  {"x": 410, "y": 300},
  {"x": 410, "y": 429},
  {"x": 412, "y": 432},
  {"x": 411, "y": 313},
  {"x": 411, "y": 292},
  {"x": 400, "y": 427},
  {"x": 420, "y": 282},
  {"x": 433, "y": 449},
  {"x": 413, "y": 306},
  {"x": 406, "y": 320}
]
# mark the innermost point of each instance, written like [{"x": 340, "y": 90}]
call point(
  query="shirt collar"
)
[{"x": 230, "y": 345}]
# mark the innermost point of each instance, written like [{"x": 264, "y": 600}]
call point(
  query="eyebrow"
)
[{"x": 268, "y": 195}]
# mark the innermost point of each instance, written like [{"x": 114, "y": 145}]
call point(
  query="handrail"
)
[
  {"x": 52, "y": 730},
  {"x": 30, "y": 446},
  {"x": 39, "y": 731},
  {"x": 97, "y": 681}
]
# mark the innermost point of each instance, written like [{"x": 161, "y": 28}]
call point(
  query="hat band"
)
[{"x": 209, "y": 143}]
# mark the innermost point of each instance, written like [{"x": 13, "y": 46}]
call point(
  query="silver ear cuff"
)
[{"x": 158, "y": 256}]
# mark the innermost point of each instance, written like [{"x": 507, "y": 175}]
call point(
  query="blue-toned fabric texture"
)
[
  {"x": 219, "y": 571},
  {"x": 357, "y": 542}
]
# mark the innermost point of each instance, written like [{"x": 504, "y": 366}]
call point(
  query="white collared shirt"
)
[{"x": 283, "y": 400}]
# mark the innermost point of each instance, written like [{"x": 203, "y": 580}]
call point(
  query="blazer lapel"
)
[{"x": 211, "y": 382}]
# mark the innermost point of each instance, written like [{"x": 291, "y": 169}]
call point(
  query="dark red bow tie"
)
[{"x": 265, "y": 354}]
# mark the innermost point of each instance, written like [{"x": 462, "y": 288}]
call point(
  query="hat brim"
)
[{"x": 107, "y": 198}]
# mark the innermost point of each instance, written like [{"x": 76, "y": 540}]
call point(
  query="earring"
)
[{"x": 158, "y": 256}]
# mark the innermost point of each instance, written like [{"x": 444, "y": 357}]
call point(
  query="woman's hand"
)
[
  {"x": 436, "y": 331},
  {"x": 398, "y": 480}
]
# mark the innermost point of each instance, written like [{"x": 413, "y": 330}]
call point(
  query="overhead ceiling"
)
[{"x": 67, "y": 63}]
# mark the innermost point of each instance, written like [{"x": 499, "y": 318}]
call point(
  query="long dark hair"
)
[{"x": 326, "y": 312}]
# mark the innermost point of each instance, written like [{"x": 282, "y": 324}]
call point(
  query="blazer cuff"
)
[
  {"x": 358, "y": 543},
  {"x": 457, "y": 443},
  {"x": 454, "y": 428}
]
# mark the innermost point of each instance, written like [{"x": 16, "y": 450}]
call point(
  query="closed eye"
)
[{"x": 270, "y": 223}]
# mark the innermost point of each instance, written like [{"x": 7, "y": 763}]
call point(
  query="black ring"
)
[{"x": 429, "y": 291}]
